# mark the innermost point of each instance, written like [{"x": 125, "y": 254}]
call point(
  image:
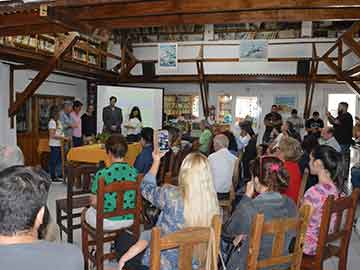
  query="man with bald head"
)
[
  {"x": 327, "y": 138},
  {"x": 10, "y": 156},
  {"x": 222, "y": 163}
]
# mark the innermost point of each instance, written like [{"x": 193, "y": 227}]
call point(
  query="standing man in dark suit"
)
[{"x": 112, "y": 117}]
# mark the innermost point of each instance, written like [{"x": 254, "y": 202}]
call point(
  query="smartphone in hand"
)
[{"x": 163, "y": 140}]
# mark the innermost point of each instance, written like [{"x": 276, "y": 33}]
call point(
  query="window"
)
[
  {"x": 247, "y": 108},
  {"x": 335, "y": 99}
]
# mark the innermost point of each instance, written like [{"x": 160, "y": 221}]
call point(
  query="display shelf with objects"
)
[
  {"x": 86, "y": 50},
  {"x": 177, "y": 105}
]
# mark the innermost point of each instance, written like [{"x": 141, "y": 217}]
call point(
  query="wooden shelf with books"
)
[{"x": 176, "y": 105}]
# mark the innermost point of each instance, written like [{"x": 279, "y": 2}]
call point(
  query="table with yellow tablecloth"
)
[{"x": 95, "y": 153}]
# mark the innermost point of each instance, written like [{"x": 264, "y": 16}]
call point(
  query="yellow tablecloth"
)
[{"x": 94, "y": 153}]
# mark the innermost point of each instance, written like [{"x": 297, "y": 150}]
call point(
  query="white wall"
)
[
  {"x": 280, "y": 48},
  {"x": 54, "y": 85},
  {"x": 7, "y": 135}
]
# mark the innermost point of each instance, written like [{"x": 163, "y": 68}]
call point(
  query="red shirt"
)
[{"x": 295, "y": 180}]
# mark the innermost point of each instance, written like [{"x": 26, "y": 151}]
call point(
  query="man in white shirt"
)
[
  {"x": 222, "y": 164},
  {"x": 327, "y": 138}
]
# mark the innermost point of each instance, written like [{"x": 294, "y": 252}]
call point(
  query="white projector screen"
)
[{"x": 149, "y": 101}]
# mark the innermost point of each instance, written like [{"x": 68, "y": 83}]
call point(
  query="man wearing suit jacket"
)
[{"x": 112, "y": 117}]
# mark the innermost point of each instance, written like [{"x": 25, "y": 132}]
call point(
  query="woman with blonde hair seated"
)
[{"x": 192, "y": 203}]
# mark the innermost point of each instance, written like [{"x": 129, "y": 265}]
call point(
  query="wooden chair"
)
[
  {"x": 304, "y": 180},
  {"x": 184, "y": 240},
  {"x": 75, "y": 200},
  {"x": 171, "y": 176},
  {"x": 226, "y": 205},
  {"x": 278, "y": 228},
  {"x": 326, "y": 247},
  {"x": 97, "y": 237}
]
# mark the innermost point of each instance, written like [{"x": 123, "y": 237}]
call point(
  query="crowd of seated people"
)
[{"x": 270, "y": 178}]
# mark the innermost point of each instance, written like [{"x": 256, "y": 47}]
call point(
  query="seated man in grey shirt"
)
[
  {"x": 328, "y": 138},
  {"x": 23, "y": 195}
]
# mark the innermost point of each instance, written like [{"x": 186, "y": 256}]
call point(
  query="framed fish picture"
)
[
  {"x": 253, "y": 50},
  {"x": 168, "y": 56}
]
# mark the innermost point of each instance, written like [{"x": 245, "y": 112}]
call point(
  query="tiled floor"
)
[{"x": 59, "y": 191}]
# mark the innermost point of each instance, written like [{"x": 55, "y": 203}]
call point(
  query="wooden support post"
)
[
  {"x": 202, "y": 94},
  {"x": 352, "y": 44},
  {"x": 349, "y": 81},
  {"x": 204, "y": 88},
  {"x": 44, "y": 72},
  {"x": 340, "y": 54}
]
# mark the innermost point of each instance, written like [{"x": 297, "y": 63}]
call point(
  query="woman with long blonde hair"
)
[{"x": 193, "y": 203}]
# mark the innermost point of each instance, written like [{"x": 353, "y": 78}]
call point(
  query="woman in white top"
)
[
  {"x": 56, "y": 134},
  {"x": 134, "y": 124}
]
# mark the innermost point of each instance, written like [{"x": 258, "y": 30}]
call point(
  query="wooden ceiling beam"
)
[
  {"x": 32, "y": 29},
  {"x": 231, "y": 17},
  {"x": 161, "y": 7},
  {"x": 231, "y": 78},
  {"x": 20, "y": 19},
  {"x": 92, "y": 3},
  {"x": 43, "y": 73}
]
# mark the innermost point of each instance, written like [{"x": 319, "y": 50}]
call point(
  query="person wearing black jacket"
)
[
  {"x": 343, "y": 125},
  {"x": 249, "y": 151}
]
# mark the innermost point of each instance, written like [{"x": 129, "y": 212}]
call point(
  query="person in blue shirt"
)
[{"x": 144, "y": 160}]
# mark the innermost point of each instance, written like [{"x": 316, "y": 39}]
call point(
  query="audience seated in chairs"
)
[
  {"x": 193, "y": 203},
  {"x": 269, "y": 178},
  {"x": 327, "y": 165},
  {"x": 144, "y": 159},
  {"x": 287, "y": 130},
  {"x": 222, "y": 163},
  {"x": 289, "y": 151},
  {"x": 23, "y": 196},
  {"x": 10, "y": 156},
  {"x": 116, "y": 148}
]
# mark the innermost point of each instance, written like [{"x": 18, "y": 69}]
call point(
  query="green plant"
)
[{"x": 102, "y": 137}]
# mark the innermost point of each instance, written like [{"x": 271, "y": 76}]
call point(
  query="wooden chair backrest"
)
[
  {"x": 119, "y": 188},
  {"x": 278, "y": 229},
  {"x": 82, "y": 173},
  {"x": 342, "y": 231},
  {"x": 304, "y": 180},
  {"x": 185, "y": 241}
]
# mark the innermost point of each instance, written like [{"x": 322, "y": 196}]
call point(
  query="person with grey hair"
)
[
  {"x": 10, "y": 156},
  {"x": 205, "y": 137},
  {"x": 65, "y": 118},
  {"x": 222, "y": 163}
]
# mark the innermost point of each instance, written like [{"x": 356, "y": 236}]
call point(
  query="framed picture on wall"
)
[
  {"x": 167, "y": 56},
  {"x": 253, "y": 50},
  {"x": 286, "y": 104}
]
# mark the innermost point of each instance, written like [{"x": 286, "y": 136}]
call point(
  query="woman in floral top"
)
[
  {"x": 327, "y": 165},
  {"x": 192, "y": 203}
]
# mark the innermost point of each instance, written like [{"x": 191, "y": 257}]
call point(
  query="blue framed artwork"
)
[
  {"x": 167, "y": 56},
  {"x": 286, "y": 103},
  {"x": 253, "y": 50}
]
